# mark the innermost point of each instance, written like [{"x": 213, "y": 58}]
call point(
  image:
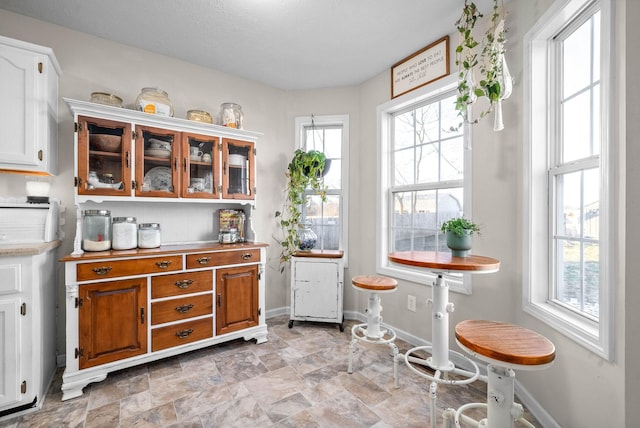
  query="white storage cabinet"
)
[{"x": 317, "y": 287}]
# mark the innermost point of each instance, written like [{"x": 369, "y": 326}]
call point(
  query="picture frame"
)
[{"x": 420, "y": 68}]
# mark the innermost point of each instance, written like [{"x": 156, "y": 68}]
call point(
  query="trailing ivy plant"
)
[
  {"x": 305, "y": 171},
  {"x": 484, "y": 61}
]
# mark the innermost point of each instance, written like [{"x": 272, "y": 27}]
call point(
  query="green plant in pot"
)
[
  {"x": 458, "y": 232},
  {"x": 305, "y": 171}
]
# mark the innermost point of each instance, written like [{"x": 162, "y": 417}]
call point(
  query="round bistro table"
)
[{"x": 439, "y": 362}]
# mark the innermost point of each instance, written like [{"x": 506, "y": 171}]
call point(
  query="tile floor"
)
[{"x": 296, "y": 379}]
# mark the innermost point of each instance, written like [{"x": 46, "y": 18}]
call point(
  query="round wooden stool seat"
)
[
  {"x": 375, "y": 283},
  {"x": 507, "y": 343}
]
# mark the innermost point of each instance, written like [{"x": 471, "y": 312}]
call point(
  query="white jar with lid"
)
[
  {"x": 124, "y": 233},
  {"x": 154, "y": 101},
  {"x": 149, "y": 235}
]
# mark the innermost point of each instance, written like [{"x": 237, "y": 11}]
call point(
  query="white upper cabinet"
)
[{"x": 28, "y": 108}]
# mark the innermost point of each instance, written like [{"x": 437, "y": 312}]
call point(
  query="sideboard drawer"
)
[
  {"x": 181, "y": 283},
  {"x": 116, "y": 268},
  {"x": 182, "y": 308},
  {"x": 195, "y": 261},
  {"x": 179, "y": 334}
]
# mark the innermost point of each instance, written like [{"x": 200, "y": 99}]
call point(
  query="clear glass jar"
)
[
  {"x": 149, "y": 235},
  {"x": 231, "y": 115},
  {"x": 96, "y": 230},
  {"x": 125, "y": 233},
  {"x": 307, "y": 238},
  {"x": 154, "y": 101}
]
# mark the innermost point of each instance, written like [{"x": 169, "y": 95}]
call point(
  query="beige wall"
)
[{"x": 580, "y": 390}]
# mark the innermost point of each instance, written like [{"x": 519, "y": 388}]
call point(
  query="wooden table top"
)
[
  {"x": 445, "y": 261},
  {"x": 505, "y": 342}
]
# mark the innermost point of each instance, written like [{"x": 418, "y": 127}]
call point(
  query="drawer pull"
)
[
  {"x": 203, "y": 260},
  {"x": 183, "y": 309},
  {"x": 184, "y": 284},
  {"x": 182, "y": 334},
  {"x": 164, "y": 264},
  {"x": 246, "y": 256},
  {"x": 102, "y": 270}
]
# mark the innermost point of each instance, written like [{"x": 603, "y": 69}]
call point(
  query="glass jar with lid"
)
[
  {"x": 125, "y": 233},
  {"x": 149, "y": 235},
  {"x": 96, "y": 230},
  {"x": 231, "y": 115},
  {"x": 154, "y": 101}
]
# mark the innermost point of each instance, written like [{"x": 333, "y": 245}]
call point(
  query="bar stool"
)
[
  {"x": 505, "y": 347},
  {"x": 371, "y": 332}
]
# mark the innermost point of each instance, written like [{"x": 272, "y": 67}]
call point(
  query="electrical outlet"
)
[{"x": 411, "y": 303}]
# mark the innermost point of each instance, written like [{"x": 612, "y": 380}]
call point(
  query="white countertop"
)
[{"x": 31, "y": 249}]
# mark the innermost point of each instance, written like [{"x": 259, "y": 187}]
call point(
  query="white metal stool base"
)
[
  {"x": 436, "y": 378},
  {"x": 386, "y": 337}
]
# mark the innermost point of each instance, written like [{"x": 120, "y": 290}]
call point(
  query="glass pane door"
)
[
  {"x": 104, "y": 157},
  {"x": 238, "y": 180},
  {"x": 200, "y": 160},
  {"x": 157, "y": 162}
]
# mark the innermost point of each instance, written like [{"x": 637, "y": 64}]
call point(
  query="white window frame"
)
[
  {"x": 539, "y": 125},
  {"x": 457, "y": 283},
  {"x": 342, "y": 121}
]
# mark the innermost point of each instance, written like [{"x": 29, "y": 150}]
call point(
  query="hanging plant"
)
[
  {"x": 305, "y": 171},
  {"x": 482, "y": 69}
]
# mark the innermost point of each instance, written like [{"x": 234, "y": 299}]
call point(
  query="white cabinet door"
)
[
  {"x": 317, "y": 288},
  {"x": 9, "y": 351},
  {"x": 28, "y": 107}
]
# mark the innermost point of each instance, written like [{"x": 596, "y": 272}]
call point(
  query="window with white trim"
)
[
  {"x": 568, "y": 243},
  {"x": 329, "y": 135},
  {"x": 424, "y": 180}
]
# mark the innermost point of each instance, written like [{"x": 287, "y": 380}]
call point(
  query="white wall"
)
[{"x": 580, "y": 390}]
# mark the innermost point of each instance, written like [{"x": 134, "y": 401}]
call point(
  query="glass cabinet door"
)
[
  {"x": 104, "y": 157},
  {"x": 238, "y": 169},
  {"x": 157, "y": 155},
  {"x": 200, "y": 166}
]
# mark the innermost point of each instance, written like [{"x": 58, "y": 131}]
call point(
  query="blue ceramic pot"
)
[{"x": 459, "y": 245}]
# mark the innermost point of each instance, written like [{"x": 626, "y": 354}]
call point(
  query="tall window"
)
[
  {"x": 568, "y": 245},
  {"x": 329, "y": 135},
  {"x": 426, "y": 163}
]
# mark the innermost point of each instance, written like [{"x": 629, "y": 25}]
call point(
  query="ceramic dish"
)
[
  {"x": 237, "y": 160},
  {"x": 98, "y": 185},
  {"x": 159, "y": 178},
  {"x": 155, "y": 143},
  {"x": 158, "y": 153},
  {"x": 195, "y": 158}
]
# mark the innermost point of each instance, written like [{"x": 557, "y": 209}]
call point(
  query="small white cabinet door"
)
[
  {"x": 28, "y": 107},
  {"x": 317, "y": 289},
  {"x": 9, "y": 352}
]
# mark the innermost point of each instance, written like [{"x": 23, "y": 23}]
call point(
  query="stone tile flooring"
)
[{"x": 297, "y": 379}]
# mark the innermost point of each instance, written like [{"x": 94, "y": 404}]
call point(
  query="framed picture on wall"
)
[{"x": 425, "y": 66}]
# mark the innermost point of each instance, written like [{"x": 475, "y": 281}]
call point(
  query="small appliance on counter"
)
[
  {"x": 23, "y": 222},
  {"x": 232, "y": 228}
]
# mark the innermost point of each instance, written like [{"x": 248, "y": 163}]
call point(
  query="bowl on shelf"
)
[{"x": 105, "y": 142}]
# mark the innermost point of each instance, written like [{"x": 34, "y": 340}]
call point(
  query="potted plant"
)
[
  {"x": 458, "y": 232},
  {"x": 305, "y": 171}
]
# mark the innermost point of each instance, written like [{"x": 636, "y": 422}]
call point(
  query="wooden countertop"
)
[
  {"x": 445, "y": 261},
  {"x": 12, "y": 250},
  {"x": 163, "y": 249},
  {"x": 320, "y": 254}
]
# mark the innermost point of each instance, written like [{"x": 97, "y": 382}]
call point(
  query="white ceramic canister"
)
[
  {"x": 149, "y": 235},
  {"x": 124, "y": 233}
]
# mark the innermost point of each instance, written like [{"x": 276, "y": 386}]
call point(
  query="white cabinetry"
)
[
  {"x": 317, "y": 286},
  {"x": 29, "y": 107},
  {"x": 27, "y": 328}
]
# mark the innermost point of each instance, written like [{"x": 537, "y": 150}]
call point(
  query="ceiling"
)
[{"x": 287, "y": 44}]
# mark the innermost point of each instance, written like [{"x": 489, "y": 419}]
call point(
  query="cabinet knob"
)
[
  {"x": 203, "y": 260},
  {"x": 184, "y": 333},
  {"x": 183, "y": 309},
  {"x": 102, "y": 270},
  {"x": 246, "y": 256},
  {"x": 164, "y": 264},
  {"x": 184, "y": 284}
]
